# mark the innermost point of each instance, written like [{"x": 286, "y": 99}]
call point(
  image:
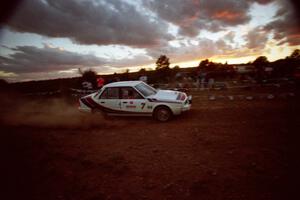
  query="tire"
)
[{"x": 162, "y": 114}]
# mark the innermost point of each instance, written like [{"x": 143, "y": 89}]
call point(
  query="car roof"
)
[{"x": 123, "y": 84}]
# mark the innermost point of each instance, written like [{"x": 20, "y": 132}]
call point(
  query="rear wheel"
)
[{"x": 162, "y": 114}]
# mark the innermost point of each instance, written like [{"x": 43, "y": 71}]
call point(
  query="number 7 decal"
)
[{"x": 143, "y": 105}]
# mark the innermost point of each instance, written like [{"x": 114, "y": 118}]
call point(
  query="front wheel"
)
[{"x": 162, "y": 114}]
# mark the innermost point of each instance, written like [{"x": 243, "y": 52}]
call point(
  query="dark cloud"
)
[
  {"x": 7, "y": 9},
  {"x": 31, "y": 61},
  {"x": 286, "y": 26},
  {"x": 89, "y": 22},
  {"x": 142, "y": 25},
  {"x": 193, "y": 16},
  {"x": 28, "y": 59},
  {"x": 256, "y": 38}
]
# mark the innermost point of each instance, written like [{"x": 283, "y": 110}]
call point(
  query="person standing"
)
[{"x": 100, "y": 82}]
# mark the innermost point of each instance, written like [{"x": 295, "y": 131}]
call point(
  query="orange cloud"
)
[
  {"x": 227, "y": 15},
  {"x": 294, "y": 39}
]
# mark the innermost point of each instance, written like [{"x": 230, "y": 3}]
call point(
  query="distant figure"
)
[
  {"x": 202, "y": 77},
  {"x": 100, "y": 82},
  {"x": 178, "y": 76},
  {"x": 144, "y": 79},
  {"x": 211, "y": 83},
  {"x": 87, "y": 85}
]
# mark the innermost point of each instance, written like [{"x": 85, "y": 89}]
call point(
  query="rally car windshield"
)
[
  {"x": 145, "y": 89},
  {"x": 98, "y": 92}
]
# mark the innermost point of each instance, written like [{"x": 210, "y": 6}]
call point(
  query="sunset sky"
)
[{"x": 46, "y": 39}]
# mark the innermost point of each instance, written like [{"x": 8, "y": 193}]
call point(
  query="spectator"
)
[
  {"x": 100, "y": 82},
  {"x": 143, "y": 78},
  {"x": 87, "y": 85}
]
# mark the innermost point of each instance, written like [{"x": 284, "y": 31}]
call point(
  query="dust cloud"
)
[{"x": 47, "y": 113}]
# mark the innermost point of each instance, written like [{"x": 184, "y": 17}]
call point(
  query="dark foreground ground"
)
[{"x": 240, "y": 149}]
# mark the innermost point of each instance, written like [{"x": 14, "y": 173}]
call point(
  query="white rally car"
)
[{"x": 136, "y": 98}]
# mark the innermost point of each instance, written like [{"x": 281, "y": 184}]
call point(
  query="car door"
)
[
  {"x": 132, "y": 101},
  {"x": 109, "y": 99}
]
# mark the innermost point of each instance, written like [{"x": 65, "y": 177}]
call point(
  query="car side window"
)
[
  {"x": 110, "y": 93},
  {"x": 130, "y": 93}
]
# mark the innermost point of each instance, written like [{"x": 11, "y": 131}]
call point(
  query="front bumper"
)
[
  {"x": 188, "y": 104},
  {"x": 186, "y": 107},
  {"x": 190, "y": 99}
]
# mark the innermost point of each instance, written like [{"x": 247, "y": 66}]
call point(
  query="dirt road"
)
[{"x": 219, "y": 150}]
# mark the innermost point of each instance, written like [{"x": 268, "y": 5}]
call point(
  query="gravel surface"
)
[{"x": 221, "y": 149}]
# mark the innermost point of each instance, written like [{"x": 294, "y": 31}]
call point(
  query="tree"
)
[
  {"x": 90, "y": 76},
  {"x": 163, "y": 71},
  {"x": 142, "y": 72},
  {"x": 3, "y": 84},
  {"x": 295, "y": 54},
  {"x": 125, "y": 75},
  {"x": 162, "y": 62},
  {"x": 260, "y": 61},
  {"x": 204, "y": 64},
  {"x": 292, "y": 62},
  {"x": 177, "y": 68},
  {"x": 175, "y": 71}
]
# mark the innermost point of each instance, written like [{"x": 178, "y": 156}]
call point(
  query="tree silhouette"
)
[
  {"x": 295, "y": 54},
  {"x": 3, "y": 84},
  {"x": 176, "y": 67},
  {"x": 204, "y": 63},
  {"x": 90, "y": 76},
  {"x": 125, "y": 76},
  {"x": 163, "y": 71},
  {"x": 162, "y": 62},
  {"x": 260, "y": 63},
  {"x": 142, "y": 71}
]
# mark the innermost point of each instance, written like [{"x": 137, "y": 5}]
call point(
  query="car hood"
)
[{"x": 168, "y": 95}]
